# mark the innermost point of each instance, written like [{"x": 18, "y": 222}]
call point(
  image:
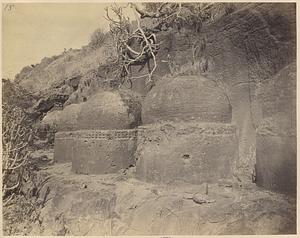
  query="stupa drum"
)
[{"x": 187, "y": 135}]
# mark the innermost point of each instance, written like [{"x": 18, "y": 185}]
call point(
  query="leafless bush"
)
[
  {"x": 97, "y": 38},
  {"x": 16, "y": 137},
  {"x": 21, "y": 185},
  {"x": 177, "y": 15},
  {"x": 133, "y": 46}
]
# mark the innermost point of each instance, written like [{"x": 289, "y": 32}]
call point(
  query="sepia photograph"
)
[{"x": 148, "y": 118}]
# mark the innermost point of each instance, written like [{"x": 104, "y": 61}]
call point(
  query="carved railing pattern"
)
[{"x": 98, "y": 134}]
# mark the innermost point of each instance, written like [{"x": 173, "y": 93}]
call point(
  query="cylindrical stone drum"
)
[
  {"x": 63, "y": 146},
  {"x": 103, "y": 151},
  {"x": 186, "y": 152}
]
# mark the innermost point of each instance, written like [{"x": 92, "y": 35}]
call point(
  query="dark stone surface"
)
[
  {"x": 276, "y": 136},
  {"x": 276, "y": 165}
]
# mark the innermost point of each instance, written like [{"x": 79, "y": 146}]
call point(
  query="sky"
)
[{"x": 32, "y": 31}]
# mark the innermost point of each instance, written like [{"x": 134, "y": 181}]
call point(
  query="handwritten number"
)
[{"x": 9, "y": 7}]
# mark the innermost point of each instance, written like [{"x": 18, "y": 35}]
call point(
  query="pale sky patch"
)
[{"x": 32, "y": 31}]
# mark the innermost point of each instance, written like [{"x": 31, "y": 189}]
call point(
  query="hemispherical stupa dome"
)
[
  {"x": 107, "y": 110},
  {"x": 186, "y": 98},
  {"x": 68, "y": 117}
]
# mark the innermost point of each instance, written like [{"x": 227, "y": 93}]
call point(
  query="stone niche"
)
[
  {"x": 101, "y": 137},
  {"x": 276, "y": 155},
  {"x": 187, "y": 136}
]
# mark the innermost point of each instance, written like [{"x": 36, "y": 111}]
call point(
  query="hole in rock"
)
[{"x": 186, "y": 156}]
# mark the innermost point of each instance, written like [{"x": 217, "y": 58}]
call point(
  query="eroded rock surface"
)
[
  {"x": 276, "y": 136},
  {"x": 117, "y": 204}
]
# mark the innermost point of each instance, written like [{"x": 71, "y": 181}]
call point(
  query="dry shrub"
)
[
  {"x": 97, "y": 38},
  {"x": 21, "y": 186}
]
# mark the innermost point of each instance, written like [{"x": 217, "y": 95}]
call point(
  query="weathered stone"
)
[
  {"x": 91, "y": 149},
  {"x": 186, "y": 152},
  {"x": 52, "y": 118},
  {"x": 110, "y": 110},
  {"x": 277, "y": 96},
  {"x": 102, "y": 151},
  {"x": 64, "y": 121},
  {"x": 63, "y": 147},
  {"x": 45, "y": 104},
  {"x": 276, "y": 146},
  {"x": 201, "y": 198},
  {"x": 186, "y": 98},
  {"x": 276, "y": 167},
  {"x": 111, "y": 206},
  {"x": 248, "y": 45},
  {"x": 68, "y": 118}
]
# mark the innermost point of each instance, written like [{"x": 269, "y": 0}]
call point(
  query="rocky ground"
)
[{"x": 119, "y": 204}]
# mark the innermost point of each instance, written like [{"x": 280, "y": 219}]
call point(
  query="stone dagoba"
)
[
  {"x": 276, "y": 144},
  {"x": 105, "y": 140},
  {"x": 98, "y": 136},
  {"x": 186, "y": 134}
]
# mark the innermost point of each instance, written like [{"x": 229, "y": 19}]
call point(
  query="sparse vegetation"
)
[
  {"x": 188, "y": 15},
  {"x": 133, "y": 46},
  {"x": 21, "y": 186},
  {"x": 97, "y": 38}
]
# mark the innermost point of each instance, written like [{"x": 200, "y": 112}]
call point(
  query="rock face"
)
[
  {"x": 119, "y": 205},
  {"x": 177, "y": 144},
  {"x": 276, "y": 136},
  {"x": 70, "y": 64},
  {"x": 186, "y": 98},
  {"x": 249, "y": 45},
  {"x": 52, "y": 118}
]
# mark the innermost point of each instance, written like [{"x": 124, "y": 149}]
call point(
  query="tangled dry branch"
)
[
  {"x": 16, "y": 137},
  {"x": 172, "y": 14},
  {"x": 134, "y": 47}
]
